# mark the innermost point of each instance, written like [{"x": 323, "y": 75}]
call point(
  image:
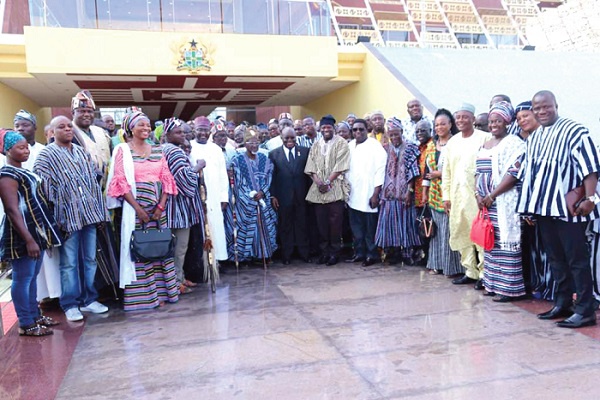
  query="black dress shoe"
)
[
  {"x": 307, "y": 260},
  {"x": 490, "y": 294},
  {"x": 322, "y": 260},
  {"x": 368, "y": 262},
  {"x": 504, "y": 299},
  {"x": 479, "y": 285},
  {"x": 555, "y": 313},
  {"x": 355, "y": 259},
  {"x": 577, "y": 321},
  {"x": 463, "y": 280},
  {"x": 332, "y": 261}
]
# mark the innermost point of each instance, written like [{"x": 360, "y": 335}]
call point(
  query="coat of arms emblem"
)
[{"x": 194, "y": 58}]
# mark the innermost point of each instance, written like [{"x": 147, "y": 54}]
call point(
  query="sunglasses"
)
[{"x": 358, "y": 129}]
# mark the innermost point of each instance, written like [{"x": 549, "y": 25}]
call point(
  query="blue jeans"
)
[
  {"x": 77, "y": 278},
  {"x": 24, "y": 288}
]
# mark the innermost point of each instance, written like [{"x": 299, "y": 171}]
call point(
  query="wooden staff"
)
[
  {"x": 231, "y": 185},
  {"x": 209, "y": 259}
]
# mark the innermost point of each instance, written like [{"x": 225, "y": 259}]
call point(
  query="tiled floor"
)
[{"x": 309, "y": 332}]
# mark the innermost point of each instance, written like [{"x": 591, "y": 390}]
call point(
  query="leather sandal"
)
[
  {"x": 46, "y": 321},
  {"x": 189, "y": 283},
  {"x": 35, "y": 330}
]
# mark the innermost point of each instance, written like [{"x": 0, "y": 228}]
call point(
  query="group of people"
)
[{"x": 237, "y": 194}]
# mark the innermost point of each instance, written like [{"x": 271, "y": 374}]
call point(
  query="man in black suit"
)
[{"x": 288, "y": 190}]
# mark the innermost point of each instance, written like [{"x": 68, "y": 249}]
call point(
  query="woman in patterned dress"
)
[
  {"x": 140, "y": 175},
  {"x": 498, "y": 163}
]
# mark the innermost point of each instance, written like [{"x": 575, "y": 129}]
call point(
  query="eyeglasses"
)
[{"x": 421, "y": 130}]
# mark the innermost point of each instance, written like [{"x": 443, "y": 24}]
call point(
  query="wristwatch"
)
[{"x": 594, "y": 198}]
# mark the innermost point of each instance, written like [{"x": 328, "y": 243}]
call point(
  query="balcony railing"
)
[{"x": 273, "y": 17}]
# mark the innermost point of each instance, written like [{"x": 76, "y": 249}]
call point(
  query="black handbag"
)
[
  {"x": 427, "y": 228},
  {"x": 152, "y": 244}
]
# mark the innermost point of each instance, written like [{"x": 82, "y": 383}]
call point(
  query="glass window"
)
[
  {"x": 63, "y": 13},
  {"x": 140, "y": 15},
  {"x": 192, "y": 15}
]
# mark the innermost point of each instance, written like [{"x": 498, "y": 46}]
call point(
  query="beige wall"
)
[
  {"x": 156, "y": 53},
  {"x": 377, "y": 89},
  {"x": 12, "y": 101}
]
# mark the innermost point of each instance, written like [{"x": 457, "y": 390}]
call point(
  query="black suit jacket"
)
[{"x": 290, "y": 184}]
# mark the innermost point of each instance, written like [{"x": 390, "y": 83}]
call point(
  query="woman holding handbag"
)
[
  {"x": 441, "y": 257},
  {"x": 498, "y": 163},
  {"x": 140, "y": 175}
]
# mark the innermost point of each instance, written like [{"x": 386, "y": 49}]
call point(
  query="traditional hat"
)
[
  {"x": 83, "y": 99},
  {"x": 526, "y": 105},
  {"x": 467, "y": 107},
  {"x": 218, "y": 126},
  {"x": 26, "y": 116},
  {"x": 171, "y": 124},
  {"x": 202, "y": 121},
  {"x": 393, "y": 123},
  {"x": 250, "y": 134},
  {"x": 327, "y": 120},
  {"x": 285, "y": 115}
]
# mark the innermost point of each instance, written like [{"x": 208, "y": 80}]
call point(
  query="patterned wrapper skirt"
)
[
  {"x": 156, "y": 281},
  {"x": 441, "y": 256}
]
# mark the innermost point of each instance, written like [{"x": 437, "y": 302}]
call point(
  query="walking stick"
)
[
  {"x": 211, "y": 271},
  {"x": 235, "y": 252},
  {"x": 261, "y": 236}
]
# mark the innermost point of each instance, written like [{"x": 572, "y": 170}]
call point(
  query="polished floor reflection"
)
[{"x": 311, "y": 332}]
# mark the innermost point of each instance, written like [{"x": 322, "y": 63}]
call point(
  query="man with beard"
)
[
  {"x": 93, "y": 139},
  {"x": 25, "y": 123},
  {"x": 458, "y": 184},
  {"x": 481, "y": 122},
  {"x": 378, "y": 122},
  {"x": 216, "y": 181},
  {"x": 415, "y": 114},
  {"x": 288, "y": 191},
  {"x": 327, "y": 161}
]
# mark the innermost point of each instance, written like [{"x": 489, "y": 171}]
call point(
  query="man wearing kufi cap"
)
[
  {"x": 93, "y": 139},
  {"x": 458, "y": 193},
  {"x": 378, "y": 122},
  {"x": 328, "y": 159},
  {"x": 216, "y": 180},
  {"x": 25, "y": 123}
]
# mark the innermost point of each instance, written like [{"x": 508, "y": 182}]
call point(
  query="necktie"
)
[{"x": 291, "y": 156}]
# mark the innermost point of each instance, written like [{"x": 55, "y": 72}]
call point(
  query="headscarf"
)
[
  {"x": 26, "y": 116},
  {"x": 131, "y": 120},
  {"x": 170, "y": 124},
  {"x": 503, "y": 109},
  {"x": 347, "y": 125},
  {"x": 202, "y": 121},
  {"x": 83, "y": 99},
  {"x": 8, "y": 138},
  {"x": 526, "y": 105},
  {"x": 393, "y": 123}
]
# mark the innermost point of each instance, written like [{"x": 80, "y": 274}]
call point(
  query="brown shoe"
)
[{"x": 35, "y": 330}]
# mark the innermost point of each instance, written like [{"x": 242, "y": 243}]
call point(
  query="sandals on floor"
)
[
  {"x": 46, "y": 321},
  {"x": 189, "y": 283},
  {"x": 35, "y": 330},
  {"x": 183, "y": 289}
]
